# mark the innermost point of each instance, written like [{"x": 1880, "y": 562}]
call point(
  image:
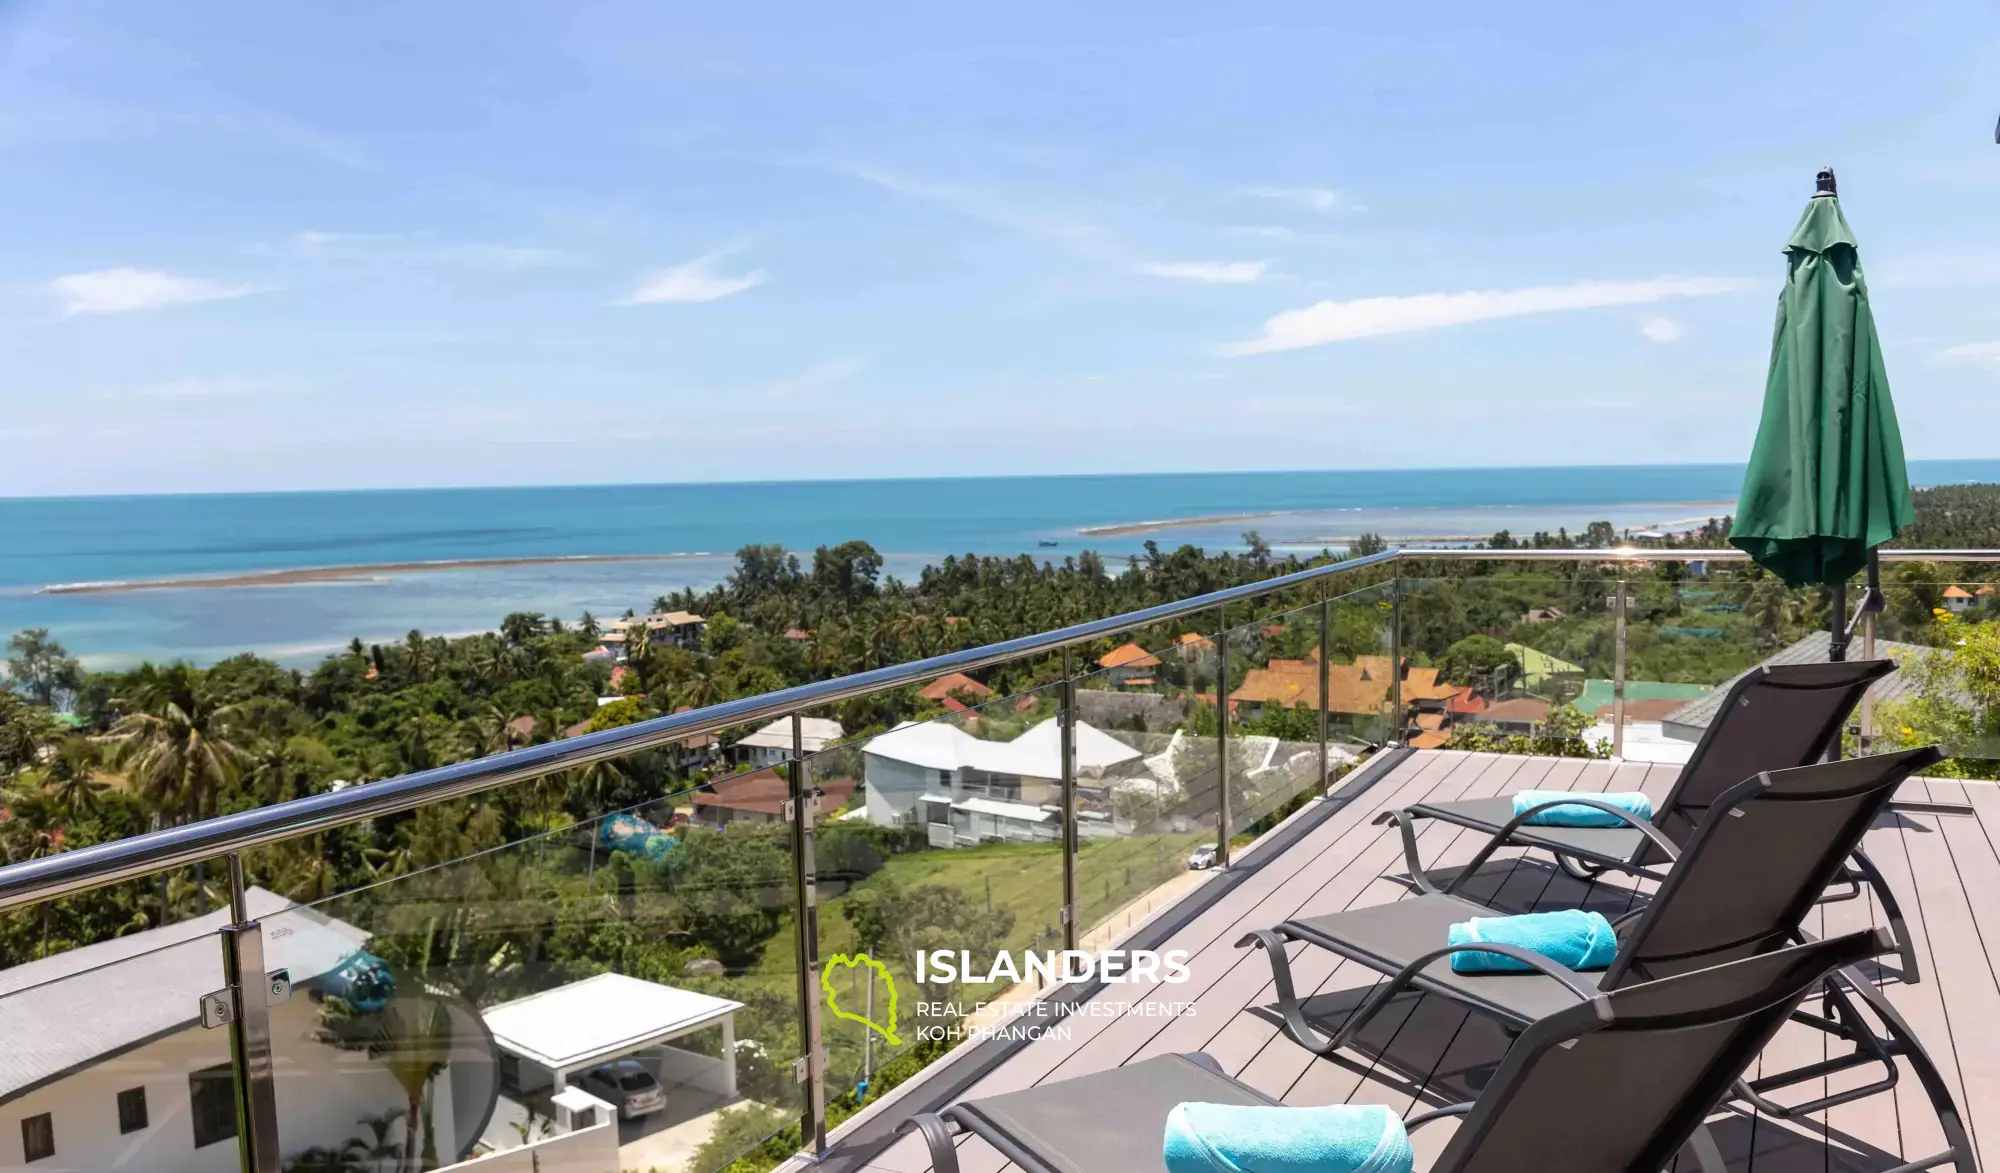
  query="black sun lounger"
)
[
  {"x": 1773, "y": 718},
  {"x": 1612, "y": 1081},
  {"x": 1750, "y": 874}
]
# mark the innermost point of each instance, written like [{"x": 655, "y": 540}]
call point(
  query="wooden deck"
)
[{"x": 1944, "y": 868}]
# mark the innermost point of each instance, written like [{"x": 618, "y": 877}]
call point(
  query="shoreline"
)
[
  {"x": 1124, "y": 529},
  {"x": 309, "y": 575}
]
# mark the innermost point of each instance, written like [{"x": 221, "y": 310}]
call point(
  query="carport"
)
[{"x": 549, "y": 1037}]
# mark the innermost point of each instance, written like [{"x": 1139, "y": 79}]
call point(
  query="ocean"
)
[{"x": 58, "y": 542}]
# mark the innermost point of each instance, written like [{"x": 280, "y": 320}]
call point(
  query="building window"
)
[
  {"x": 212, "y": 1092},
  {"x": 38, "y": 1137},
  {"x": 131, "y": 1109}
]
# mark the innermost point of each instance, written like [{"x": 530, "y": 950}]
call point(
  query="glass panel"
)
[
  {"x": 1274, "y": 690},
  {"x": 108, "y": 1065},
  {"x": 1147, "y": 822},
  {"x": 1939, "y": 634},
  {"x": 941, "y": 861},
  {"x": 536, "y": 971}
]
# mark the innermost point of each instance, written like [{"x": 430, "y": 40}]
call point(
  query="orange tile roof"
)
[
  {"x": 1421, "y": 684},
  {"x": 1430, "y": 722},
  {"x": 1129, "y": 656},
  {"x": 1436, "y": 740},
  {"x": 1190, "y": 637},
  {"x": 1465, "y": 701},
  {"x": 955, "y": 682},
  {"x": 1957, "y": 592}
]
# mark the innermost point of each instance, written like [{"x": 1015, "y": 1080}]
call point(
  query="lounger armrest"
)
[
  {"x": 937, "y": 1138},
  {"x": 1416, "y": 1122},
  {"x": 1548, "y": 966},
  {"x": 1911, "y": 806},
  {"x": 1506, "y": 833}
]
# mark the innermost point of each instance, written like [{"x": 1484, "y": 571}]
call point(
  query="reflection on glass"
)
[{"x": 602, "y": 990}]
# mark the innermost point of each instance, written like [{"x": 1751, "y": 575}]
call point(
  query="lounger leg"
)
[
  {"x": 1903, "y": 1041},
  {"x": 937, "y": 1138},
  {"x": 1894, "y": 911},
  {"x": 1296, "y": 1027},
  {"x": 1411, "y": 860},
  {"x": 1580, "y": 870}
]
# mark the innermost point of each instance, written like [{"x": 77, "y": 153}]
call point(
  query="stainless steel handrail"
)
[{"x": 68, "y": 873}]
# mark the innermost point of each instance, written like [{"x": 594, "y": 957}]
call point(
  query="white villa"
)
[
  {"x": 772, "y": 745},
  {"x": 968, "y": 790}
]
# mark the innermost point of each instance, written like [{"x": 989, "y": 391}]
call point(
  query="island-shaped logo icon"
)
[{"x": 843, "y": 961}]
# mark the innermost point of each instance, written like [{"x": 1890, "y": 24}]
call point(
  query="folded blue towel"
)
[
  {"x": 1577, "y": 815},
  {"x": 1232, "y": 1138},
  {"x": 1572, "y": 937}
]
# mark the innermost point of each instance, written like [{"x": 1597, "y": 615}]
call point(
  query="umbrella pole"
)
[{"x": 1844, "y": 627}]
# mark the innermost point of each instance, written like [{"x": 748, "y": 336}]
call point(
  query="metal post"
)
[
  {"x": 1396, "y": 723},
  {"x": 1618, "y": 677},
  {"x": 1070, "y": 907},
  {"x": 805, "y": 885},
  {"x": 1222, "y": 736},
  {"x": 1867, "y": 698},
  {"x": 1325, "y": 687},
  {"x": 250, "y": 1032}
]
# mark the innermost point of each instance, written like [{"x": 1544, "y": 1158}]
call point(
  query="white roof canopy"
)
[
  {"x": 598, "y": 1019},
  {"x": 1036, "y": 753}
]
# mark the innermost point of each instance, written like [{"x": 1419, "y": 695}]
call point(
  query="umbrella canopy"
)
[{"x": 1826, "y": 482}]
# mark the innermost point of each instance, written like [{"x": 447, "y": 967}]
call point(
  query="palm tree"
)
[
  {"x": 70, "y": 779},
  {"x": 638, "y": 642},
  {"x": 176, "y": 743},
  {"x": 588, "y": 626},
  {"x": 410, "y": 1037}
]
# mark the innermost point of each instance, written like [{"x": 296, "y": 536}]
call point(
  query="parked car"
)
[
  {"x": 626, "y": 1085},
  {"x": 1203, "y": 858}
]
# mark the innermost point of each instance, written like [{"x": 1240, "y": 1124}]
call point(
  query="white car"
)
[
  {"x": 1203, "y": 858},
  {"x": 628, "y": 1086}
]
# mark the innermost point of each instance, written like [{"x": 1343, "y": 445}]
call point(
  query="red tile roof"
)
[{"x": 765, "y": 793}]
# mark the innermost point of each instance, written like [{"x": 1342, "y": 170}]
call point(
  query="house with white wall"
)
[
  {"x": 772, "y": 744},
  {"x": 106, "y": 1064},
  {"x": 937, "y": 774}
]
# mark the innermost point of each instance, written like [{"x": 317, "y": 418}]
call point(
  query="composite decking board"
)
[
  {"x": 1964, "y": 975},
  {"x": 1922, "y": 1004},
  {"x": 1346, "y": 862},
  {"x": 1337, "y": 1079},
  {"x": 1093, "y": 1044},
  {"x": 1281, "y": 1064}
]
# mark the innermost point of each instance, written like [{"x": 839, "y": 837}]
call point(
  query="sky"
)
[{"x": 253, "y": 246}]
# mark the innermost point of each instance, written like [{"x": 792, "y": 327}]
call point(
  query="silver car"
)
[
  {"x": 626, "y": 1085},
  {"x": 1202, "y": 858}
]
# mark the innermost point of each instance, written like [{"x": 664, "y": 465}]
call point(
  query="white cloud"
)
[
  {"x": 1279, "y": 232},
  {"x": 118, "y": 291},
  {"x": 696, "y": 280},
  {"x": 1369, "y": 317},
  {"x": 1213, "y": 272},
  {"x": 1662, "y": 329},
  {"x": 1984, "y": 354},
  {"x": 1313, "y": 199}
]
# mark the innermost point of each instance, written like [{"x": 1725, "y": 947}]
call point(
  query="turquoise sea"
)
[{"x": 52, "y": 541}]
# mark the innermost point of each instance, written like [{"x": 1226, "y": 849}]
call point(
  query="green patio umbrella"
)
[{"x": 1826, "y": 483}]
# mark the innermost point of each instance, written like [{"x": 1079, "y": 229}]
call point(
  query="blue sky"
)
[{"x": 253, "y": 245}]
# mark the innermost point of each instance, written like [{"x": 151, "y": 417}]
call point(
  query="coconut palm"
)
[
  {"x": 176, "y": 744},
  {"x": 70, "y": 780}
]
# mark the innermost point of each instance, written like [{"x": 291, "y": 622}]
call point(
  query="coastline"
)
[
  {"x": 372, "y": 571},
  {"x": 1125, "y": 529}
]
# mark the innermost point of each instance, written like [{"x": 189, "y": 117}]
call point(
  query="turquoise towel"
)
[
  {"x": 1576, "y": 815},
  {"x": 1231, "y": 1138},
  {"x": 1573, "y": 938}
]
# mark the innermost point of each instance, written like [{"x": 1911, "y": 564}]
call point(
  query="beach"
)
[{"x": 331, "y": 574}]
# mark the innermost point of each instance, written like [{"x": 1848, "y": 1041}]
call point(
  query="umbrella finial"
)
[{"x": 1824, "y": 184}]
